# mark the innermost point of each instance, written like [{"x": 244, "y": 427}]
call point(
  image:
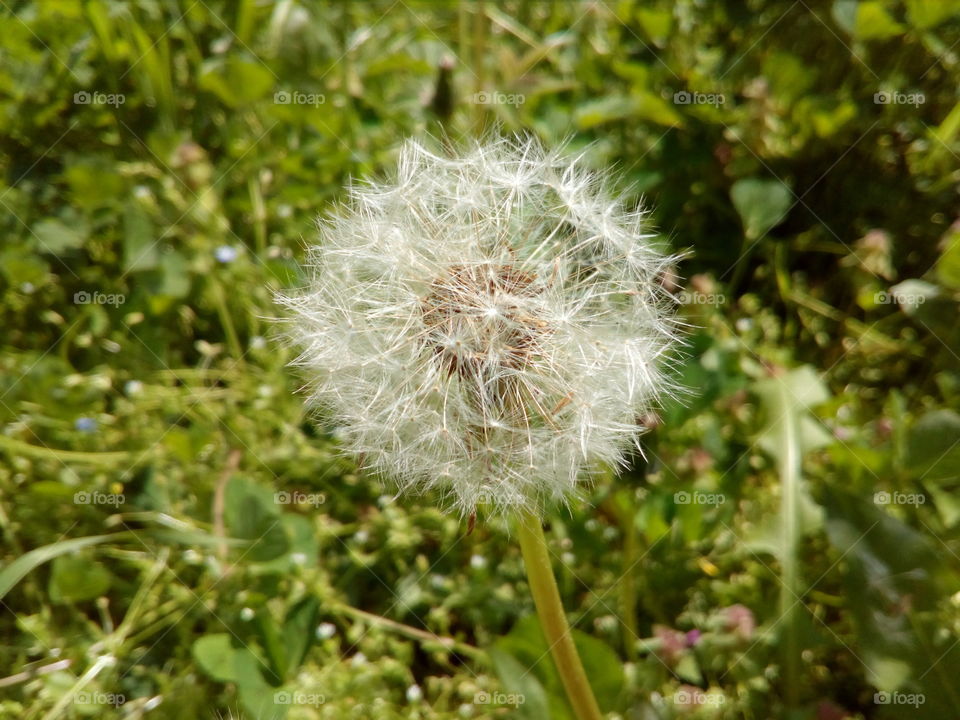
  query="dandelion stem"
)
[{"x": 543, "y": 586}]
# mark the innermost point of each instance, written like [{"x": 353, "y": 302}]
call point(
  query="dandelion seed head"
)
[{"x": 489, "y": 325}]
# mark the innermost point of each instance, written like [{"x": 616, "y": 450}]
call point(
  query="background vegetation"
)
[{"x": 787, "y": 548}]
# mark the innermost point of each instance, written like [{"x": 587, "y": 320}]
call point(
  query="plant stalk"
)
[{"x": 543, "y": 586}]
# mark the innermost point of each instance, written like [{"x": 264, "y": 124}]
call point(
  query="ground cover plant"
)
[{"x": 181, "y": 537}]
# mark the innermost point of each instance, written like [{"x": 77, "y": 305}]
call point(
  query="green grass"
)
[{"x": 148, "y": 418}]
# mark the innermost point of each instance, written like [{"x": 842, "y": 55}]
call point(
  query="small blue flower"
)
[
  {"x": 226, "y": 253},
  {"x": 85, "y": 424}
]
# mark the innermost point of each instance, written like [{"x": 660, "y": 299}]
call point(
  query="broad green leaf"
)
[
  {"x": 926, "y": 14},
  {"x": 761, "y": 204},
  {"x": 933, "y": 446},
  {"x": 140, "y": 249},
  {"x": 15, "y": 571},
  {"x": 528, "y": 646},
  {"x": 74, "y": 578},
  {"x": 252, "y": 514},
  {"x": 948, "y": 266},
  {"x": 518, "y": 684},
  {"x": 875, "y": 23},
  {"x": 54, "y": 236},
  {"x": 298, "y": 631},
  {"x": 656, "y": 23},
  {"x": 643, "y": 105},
  {"x": 237, "y": 80}
]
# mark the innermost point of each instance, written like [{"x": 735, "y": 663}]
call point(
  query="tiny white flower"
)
[
  {"x": 491, "y": 325},
  {"x": 478, "y": 562},
  {"x": 326, "y": 630},
  {"x": 414, "y": 694}
]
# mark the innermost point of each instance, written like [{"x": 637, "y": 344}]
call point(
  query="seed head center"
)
[{"x": 480, "y": 319}]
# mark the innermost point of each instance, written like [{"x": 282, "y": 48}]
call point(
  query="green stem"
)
[{"x": 543, "y": 586}]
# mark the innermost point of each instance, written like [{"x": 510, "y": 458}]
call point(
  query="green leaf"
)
[
  {"x": 875, "y": 23},
  {"x": 74, "y": 578},
  {"x": 643, "y": 105},
  {"x": 140, "y": 250},
  {"x": 948, "y": 266},
  {"x": 237, "y": 80},
  {"x": 528, "y": 646},
  {"x": 761, "y": 204},
  {"x": 54, "y": 236},
  {"x": 926, "y": 14},
  {"x": 517, "y": 683},
  {"x": 603, "y": 667},
  {"x": 298, "y": 631},
  {"x": 15, "y": 571},
  {"x": 656, "y": 23},
  {"x": 251, "y": 514},
  {"x": 932, "y": 447}
]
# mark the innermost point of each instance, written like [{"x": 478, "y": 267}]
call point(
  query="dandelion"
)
[{"x": 490, "y": 326}]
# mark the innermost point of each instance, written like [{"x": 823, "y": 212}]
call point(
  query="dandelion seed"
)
[{"x": 489, "y": 325}]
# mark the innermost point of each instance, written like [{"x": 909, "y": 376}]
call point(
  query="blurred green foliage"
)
[{"x": 180, "y": 540}]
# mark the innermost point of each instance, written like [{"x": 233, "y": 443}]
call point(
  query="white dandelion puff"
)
[{"x": 489, "y": 325}]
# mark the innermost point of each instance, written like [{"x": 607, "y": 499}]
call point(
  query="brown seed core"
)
[{"x": 474, "y": 318}]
